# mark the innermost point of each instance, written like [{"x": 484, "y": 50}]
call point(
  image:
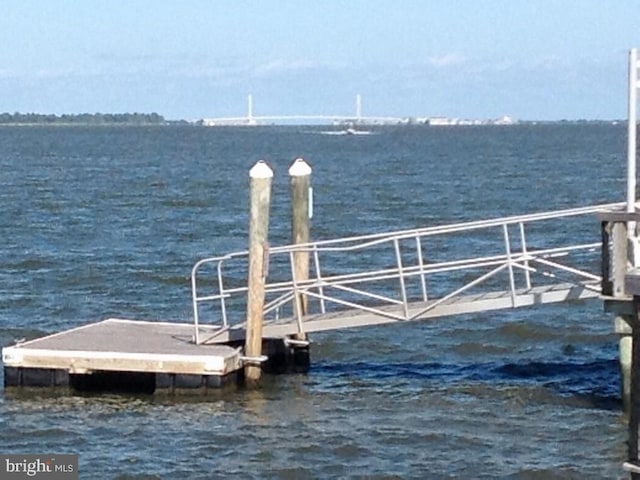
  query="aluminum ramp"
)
[{"x": 418, "y": 311}]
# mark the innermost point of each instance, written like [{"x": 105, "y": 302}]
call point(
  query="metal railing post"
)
[
  {"x": 223, "y": 305},
  {"x": 507, "y": 246},
  {"x": 423, "y": 280},
  {"x": 316, "y": 264},
  {"x": 194, "y": 300},
  {"x": 403, "y": 289},
  {"x": 523, "y": 242}
]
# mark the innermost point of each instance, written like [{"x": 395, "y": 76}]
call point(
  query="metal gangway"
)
[{"x": 409, "y": 275}]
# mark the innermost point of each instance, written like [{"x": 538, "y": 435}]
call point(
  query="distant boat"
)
[
  {"x": 353, "y": 131},
  {"x": 347, "y": 131}
]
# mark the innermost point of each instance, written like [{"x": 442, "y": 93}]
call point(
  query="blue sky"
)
[{"x": 533, "y": 59}]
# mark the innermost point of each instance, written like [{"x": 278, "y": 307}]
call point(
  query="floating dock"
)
[
  {"x": 123, "y": 354},
  {"x": 140, "y": 356}
]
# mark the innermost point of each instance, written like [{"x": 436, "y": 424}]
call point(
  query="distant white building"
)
[
  {"x": 470, "y": 122},
  {"x": 437, "y": 121}
]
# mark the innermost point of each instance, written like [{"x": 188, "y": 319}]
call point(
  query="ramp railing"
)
[{"x": 387, "y": 273}]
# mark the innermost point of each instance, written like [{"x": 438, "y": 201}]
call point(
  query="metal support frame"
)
[{"x": 631, "y": 131}]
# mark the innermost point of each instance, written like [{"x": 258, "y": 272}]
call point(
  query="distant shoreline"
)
[
  {"x": 154, "y": 119},
  {"x": 84, "y": 119},
  {"x": 169, "y": 123}
]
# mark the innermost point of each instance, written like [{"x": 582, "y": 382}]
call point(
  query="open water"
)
[{"x": 99, "y": 222}]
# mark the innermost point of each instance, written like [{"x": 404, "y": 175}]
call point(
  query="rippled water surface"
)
[{"x": 100, "y": 222}]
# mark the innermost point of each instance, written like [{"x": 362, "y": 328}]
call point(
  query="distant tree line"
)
[{"x": 82, "y": 119}]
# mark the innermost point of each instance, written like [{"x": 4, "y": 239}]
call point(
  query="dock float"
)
[{"x": 119, "y": 354}]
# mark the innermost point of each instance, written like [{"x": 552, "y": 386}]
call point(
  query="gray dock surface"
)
[{"x": 124, "y": 345}]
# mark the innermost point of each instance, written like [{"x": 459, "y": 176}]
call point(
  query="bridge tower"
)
[
  {"x": 250, "y": 119},
  {"x": 358, "y": 107}
]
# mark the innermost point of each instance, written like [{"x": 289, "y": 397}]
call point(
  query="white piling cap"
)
[
  {"x": 299, "y": 168},
  {"x": 261, "y": 170}
]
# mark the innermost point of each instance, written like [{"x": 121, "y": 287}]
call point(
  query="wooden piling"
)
[
  {"x": 300, "y": 173},
  {"x": 623, "y": 328},
  {"x": 632, "y": 287},
  {"x": 632, "y": 465},
  {"x": 260, "y": 195},
  {"x": 617, "y": 254}
]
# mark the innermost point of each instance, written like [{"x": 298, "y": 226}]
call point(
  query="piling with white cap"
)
[
  {"x": 260, "y": 177},
  {"x": 300, "y": 173}
]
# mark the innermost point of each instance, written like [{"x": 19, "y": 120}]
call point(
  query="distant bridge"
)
[{"x": 251, "y": 119}]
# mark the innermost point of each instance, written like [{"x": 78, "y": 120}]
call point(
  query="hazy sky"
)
[{"x": 533, "y": 59}]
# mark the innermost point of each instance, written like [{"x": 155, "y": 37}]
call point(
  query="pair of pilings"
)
[
  {"x": 620, "y": 253},
  {"x": 260, "y": 177},
  {"x": 621, "y": 290},
  {"x": 620, "y": 281}
]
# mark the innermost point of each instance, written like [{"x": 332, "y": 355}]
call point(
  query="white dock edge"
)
[{"x": 124, "y": 345}]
